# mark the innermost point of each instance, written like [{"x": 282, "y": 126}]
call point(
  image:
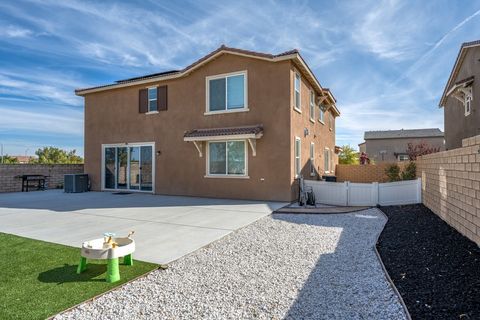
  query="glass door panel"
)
[
  {"x": 122, "y": 167},
  {"x": 109, "y": 168},
  {"x": 146, "y": 168},
  {"x": 135, "y": 168}
]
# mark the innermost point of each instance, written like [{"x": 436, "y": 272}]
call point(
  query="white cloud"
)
[
  {"x": 14, "y": 32},
  {"x": 46, "y": 120}
]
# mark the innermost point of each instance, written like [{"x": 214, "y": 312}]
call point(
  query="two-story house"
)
[
  {"x": 234, "y": 124},
  {"x": 461, "y": 97},
  {"x": 392, "y": 145}
]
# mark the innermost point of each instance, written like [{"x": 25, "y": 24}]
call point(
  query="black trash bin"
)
[{"x": 330, "y": 178}]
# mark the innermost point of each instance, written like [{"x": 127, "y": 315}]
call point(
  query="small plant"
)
[
  {"x": 393, "y": 172},
  {"x": 410, "y": 171}
]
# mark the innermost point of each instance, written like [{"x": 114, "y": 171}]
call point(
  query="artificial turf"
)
[{"x": 38, "y": 279}]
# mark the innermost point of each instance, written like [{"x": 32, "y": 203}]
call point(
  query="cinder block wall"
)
[
  {"x": 364, "y": 173},
  {"x": 451, "y": 186},
  {"x": 9, "y": 172}
]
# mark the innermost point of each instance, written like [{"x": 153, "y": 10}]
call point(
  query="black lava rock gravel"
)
[{"x": 434, "y": 267}]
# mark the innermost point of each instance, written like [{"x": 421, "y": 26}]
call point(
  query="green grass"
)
[{"x": 38, "y": 279}]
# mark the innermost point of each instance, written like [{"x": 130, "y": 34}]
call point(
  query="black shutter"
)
[
  {"x": 143, "y": 101},
  {"x": 162, "y": 98}
]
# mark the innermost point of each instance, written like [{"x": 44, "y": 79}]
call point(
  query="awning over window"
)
[
  {"x": 250, "y": 133},
  {"x": 461, "y": 88}
]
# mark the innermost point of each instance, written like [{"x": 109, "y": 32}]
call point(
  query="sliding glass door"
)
[{"x": 128, "y": 167}]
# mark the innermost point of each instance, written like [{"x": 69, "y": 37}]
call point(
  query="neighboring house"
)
[
  {"x": 24, "y": 159},
  {"x": 461, "y": 97},
  {"x": 391, "y": 145},
  {"x": 234, "y": 124}
]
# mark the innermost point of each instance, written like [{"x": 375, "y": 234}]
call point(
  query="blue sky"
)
[{"x": 385, "y": 61}]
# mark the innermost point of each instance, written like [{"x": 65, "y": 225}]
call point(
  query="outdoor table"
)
[{"x": 37, "y": 179}]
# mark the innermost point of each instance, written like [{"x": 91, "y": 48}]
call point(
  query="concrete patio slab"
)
[{"x": 166, "y": 227}]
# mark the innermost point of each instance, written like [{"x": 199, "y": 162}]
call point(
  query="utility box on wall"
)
[{"x": 74, "y": 183}]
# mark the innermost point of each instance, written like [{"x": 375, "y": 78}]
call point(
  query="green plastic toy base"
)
[
  {"x": 82, "y": 265},
  {"x": 128, "y": 260},
  {"x": 113, "y": 272}
]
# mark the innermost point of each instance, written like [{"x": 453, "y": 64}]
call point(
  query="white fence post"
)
[
  {"x": 346, "y": 192},
  {"x": 419, "y": 190},
  {"x": 374, "y": 193}
]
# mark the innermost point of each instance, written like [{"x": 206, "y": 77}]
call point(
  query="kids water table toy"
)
[{"x": 108, "y": 248}]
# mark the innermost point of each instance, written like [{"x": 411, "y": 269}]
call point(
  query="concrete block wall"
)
[
  {"x": 364, "y": 173},
  {"x": 451, "y": 186},
  {"x": 9, "y": 172}
]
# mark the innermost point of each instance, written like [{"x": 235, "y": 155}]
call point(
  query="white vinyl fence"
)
[{"x": 367, "y": 194}]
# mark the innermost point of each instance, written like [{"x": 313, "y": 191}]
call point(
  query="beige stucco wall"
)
[
  {"x": 112, "y": 117},
  {"x": 451, "y": 186}
]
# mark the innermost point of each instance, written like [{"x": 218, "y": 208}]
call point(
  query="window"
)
[
  {"x": 326, "y": 158},
  {"x": 297, "y": 85},
  {"x": 321, "y": 115},
  {"x": 312, "y": 106},
  {"x": 468, "y": 103},
  {"x": 331, "y": 122},
  {"x": 403, "y": 157},
  {"x": 227, "y": 158},
  {"x": 227, "y": 93},
  {"x": 312, "y": 159},
  {"x": 298, "y": 145},
  {"x": 152, "y": 99}
]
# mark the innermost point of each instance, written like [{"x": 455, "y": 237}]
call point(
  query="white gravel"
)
[{"x": 282, "y": 266}]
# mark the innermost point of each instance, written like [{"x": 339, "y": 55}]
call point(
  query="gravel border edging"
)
[{"x": 387, "y": 276}]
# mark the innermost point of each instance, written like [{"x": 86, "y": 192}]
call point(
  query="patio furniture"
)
[
  {"x": 111, "y": 249},
  {"x": 33, "y": 180}
]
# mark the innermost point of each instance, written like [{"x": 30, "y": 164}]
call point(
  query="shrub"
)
[
  {"x": 410, "y": 171},
  {"x": 393, "y": 172}
]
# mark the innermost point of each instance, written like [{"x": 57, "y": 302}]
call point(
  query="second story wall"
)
[
  {"x": 458, "y": 125},
  {"x": 113, "y": 117},
  {"x": 311, "y": 129}
]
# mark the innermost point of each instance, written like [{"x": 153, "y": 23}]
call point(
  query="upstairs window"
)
[
  {"x": 152, "y": 99},
  {"x": 468, "y": 103},
  {"x": 331, "y": 121},
  {"x": 321, "y": 115},
  {"x": 297, "y": 86},
  {"x": 227, "y": 92},
  {"x": 312, "y": 106}
]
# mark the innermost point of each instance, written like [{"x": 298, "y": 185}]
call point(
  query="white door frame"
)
[{"x": 127, "y": 145}]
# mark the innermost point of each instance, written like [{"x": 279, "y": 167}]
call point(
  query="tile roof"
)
[
  {"x": 187, "y": 68},
  {"x": 231, "y": 131},
  {"x": 411, "y": 133}
]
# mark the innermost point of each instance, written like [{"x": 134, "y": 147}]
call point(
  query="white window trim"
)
[
  {"x": 401, "y": 155},
  {"x": 226, "y": 75},
  {"x": 468, "y": 99},
  {"x": 299, "y": 107},
  {"x": 312, "y": 160},
  {"x": 312, "y": 106},
  {"x": 127, "y": 145},
  {"x": 226, "y": 175},
  {"x": 329, "y": 160},
  {"x": 297, "y": 174},
  {"x": 148, "y": 99}
]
